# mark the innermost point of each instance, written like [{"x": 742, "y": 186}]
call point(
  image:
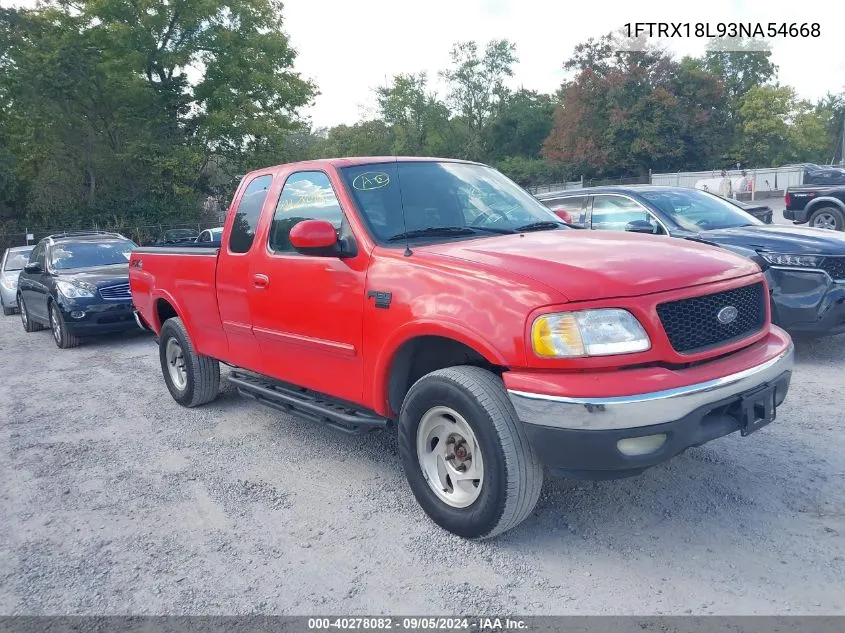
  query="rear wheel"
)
[
  {"x": 191, "y": 378},
  {"x": 828, "y": 218},
  {"x": 465, "y": 454},
  {"x": 28, "y": 324},
  {"x": 63, "y": 338}
]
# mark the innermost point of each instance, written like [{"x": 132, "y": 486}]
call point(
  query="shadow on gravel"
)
[{"x": 820, "y": 351}]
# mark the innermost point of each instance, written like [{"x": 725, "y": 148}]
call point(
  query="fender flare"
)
[
  {"x": 824, "y": 201},
  {"x": 166, "y": 296},
  {"x": 416, "y": 329}
]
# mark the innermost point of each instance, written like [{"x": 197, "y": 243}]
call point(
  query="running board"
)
[{"x": 308, "y": 404}]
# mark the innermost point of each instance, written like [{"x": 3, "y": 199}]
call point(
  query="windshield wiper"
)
[
  {"x": 539, "y": 226},
  {"x": 432, "y": 231}
]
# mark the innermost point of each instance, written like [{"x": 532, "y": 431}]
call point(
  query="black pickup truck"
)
[{"x": 821, "y": 207}]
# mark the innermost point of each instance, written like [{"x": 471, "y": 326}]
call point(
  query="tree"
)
[
  {"x": 635, "y": 111},
  {"x": 476, "y": 84},
  {"x": 419, "y": 120},
  {"x": 521, "y": 123},
  {"x": 779, "y": 128},
  {"x": 131, "y": 104}
]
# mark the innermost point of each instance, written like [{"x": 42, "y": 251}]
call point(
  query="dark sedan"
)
[
  {"x": 805, "y": 267},
  {"x": 77, "y": 284}
]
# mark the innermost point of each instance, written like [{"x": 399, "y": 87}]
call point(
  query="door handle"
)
[{"x": 260, "y": 281}]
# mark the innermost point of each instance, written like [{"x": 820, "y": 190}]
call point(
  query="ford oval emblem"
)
[{"x": 727, "y": 315}]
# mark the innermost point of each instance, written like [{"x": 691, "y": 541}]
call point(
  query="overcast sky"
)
[{"x": 351, "y": 47}]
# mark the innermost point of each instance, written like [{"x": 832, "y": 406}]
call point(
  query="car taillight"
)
[
  {"x": 563, "y": 215},
  {"x": 787, "y": 199}
]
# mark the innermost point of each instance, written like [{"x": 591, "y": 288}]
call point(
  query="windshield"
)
[
  {"x": 399, "y": 198},
  {"x": 68, "y": 255},
  {"x": 699, "y": 211},
  {"x": 16, "y": 260}
]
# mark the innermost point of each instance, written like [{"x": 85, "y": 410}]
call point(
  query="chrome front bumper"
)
[{"x": 626, "y": 412}]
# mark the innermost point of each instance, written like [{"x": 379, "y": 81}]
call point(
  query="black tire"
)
[
  {"x": 62, "y": 338},
  {"x": 7, "y": 311},
  {"x": 512, "y": 475},
  {"x": 202, "y": 373},
  {"x": 28, "y": 324},
  {"x": 832, "y": 212}
]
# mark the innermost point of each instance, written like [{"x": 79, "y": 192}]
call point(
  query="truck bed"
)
[{"x": 183, "y": 275}]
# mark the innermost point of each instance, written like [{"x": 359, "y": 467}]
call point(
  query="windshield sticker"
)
[{"x": 371, "y": 180}]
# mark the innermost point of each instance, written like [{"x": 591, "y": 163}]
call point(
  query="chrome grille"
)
[{"x": 118, "y": 291}]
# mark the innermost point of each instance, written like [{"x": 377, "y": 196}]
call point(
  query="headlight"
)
[
  {"x": 10, "y": 283},
  {"x": 76, "y": 289},
  {"x": 588, "y": 333},
  {"x": 799, "y": 261}
]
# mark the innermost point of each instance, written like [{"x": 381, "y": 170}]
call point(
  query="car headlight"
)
[
  {"x": 76, "y": 289},
  {"x": 588, "y": 333},
  {"x": 10, "y": 283},
  {"x": 799, "y": 261}
]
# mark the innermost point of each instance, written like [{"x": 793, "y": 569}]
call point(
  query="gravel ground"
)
[{"x": 116, "y": 500}]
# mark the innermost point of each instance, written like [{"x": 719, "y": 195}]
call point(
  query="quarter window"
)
[
  {"x": 307, "y": 195},
  {"x": 247, "y": 214}
]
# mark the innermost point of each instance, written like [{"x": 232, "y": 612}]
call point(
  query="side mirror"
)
[
  {"x": 563, "y": 215},
  {"x": 640, "y": 226},
  {"x": 315, "y": 237},
  {"x": 32, "y": 268}
]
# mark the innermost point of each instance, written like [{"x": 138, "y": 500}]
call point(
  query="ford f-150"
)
[{"x": 439, "y": 296}]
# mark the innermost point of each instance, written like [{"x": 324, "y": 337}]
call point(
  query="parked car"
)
[
  {"x": 14, "y": 259},
  {"x": 440, "y": 296},
  {"x": 210, "y": 235},
  {"x": 805, "y": 268},
  {"x": 822, "y": 175},
  {"x": 178, "y": 236},
  {"x": 820, "y": 207},
  {"x": 762, "y": 212},
  {"x": 77, "y": 284}
]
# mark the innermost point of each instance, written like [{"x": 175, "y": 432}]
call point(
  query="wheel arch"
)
[
  {"x": 164, "y": 307},
  {"x": 416, "y": 351},
  {"x": 825, "y": 201}
]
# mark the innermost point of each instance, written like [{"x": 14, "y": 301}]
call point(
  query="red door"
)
[
  {"x": 233, "y": 272},
  {"x": 307, "y": 311}
]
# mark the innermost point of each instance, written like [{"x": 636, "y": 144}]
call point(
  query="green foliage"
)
[
  {"x": 138, "y": 109},
  {"x": 134, "y": 112},
  {"x": 532, "y": 171}
]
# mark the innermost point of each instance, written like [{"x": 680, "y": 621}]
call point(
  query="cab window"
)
[
  {"x": 247, "y": 214},
  {"x": 307, "y": 195}
]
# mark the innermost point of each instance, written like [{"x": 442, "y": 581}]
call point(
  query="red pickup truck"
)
[{"x": 439, "y": 296}]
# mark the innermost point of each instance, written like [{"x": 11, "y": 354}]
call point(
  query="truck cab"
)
[{"x": 438, "y": 297}]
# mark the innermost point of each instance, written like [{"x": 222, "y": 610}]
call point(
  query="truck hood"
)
[
  {"x": 780, "y": 239},
  {"x": 585, "y": 265}
]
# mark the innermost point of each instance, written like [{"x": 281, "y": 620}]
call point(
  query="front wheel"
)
[
  {"x": 828, "y": 218},
  {"x": 191, "y": 378},
  {"x": 465, "y": 454},
  {"x": 28, "y": 324},
  {"x": 63, "y": 338}
]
